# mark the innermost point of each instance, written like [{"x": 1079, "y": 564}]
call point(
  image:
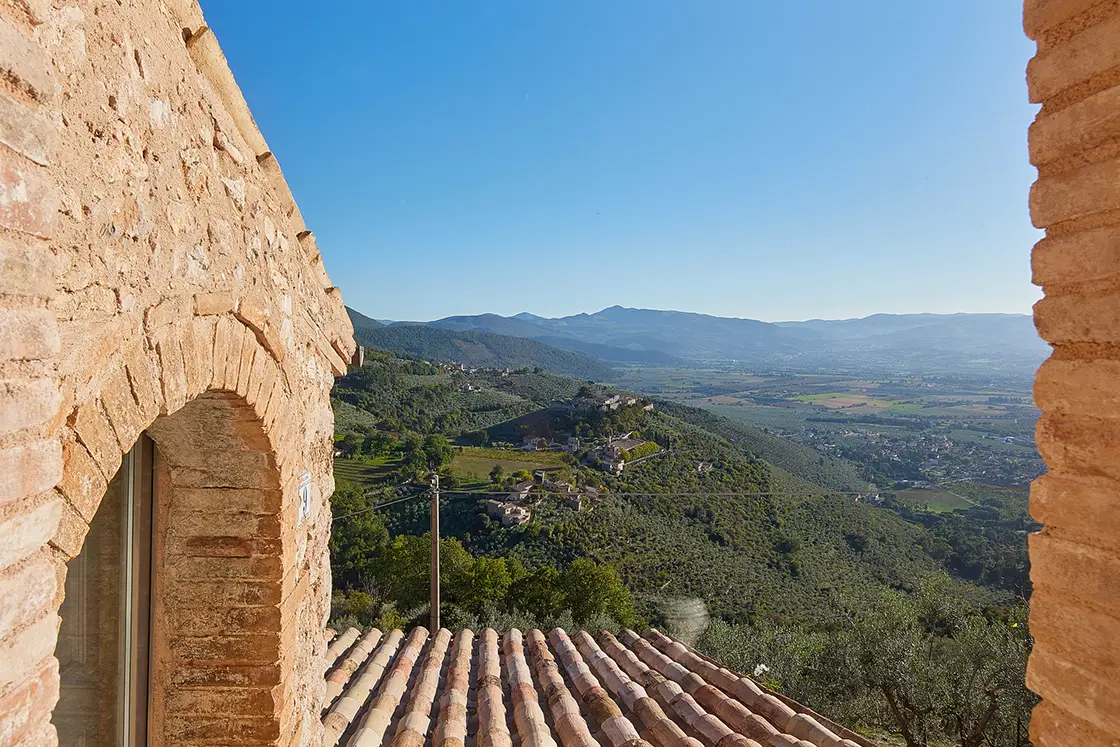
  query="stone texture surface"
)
[
  {"x": 153, "y": 278},
  {"x": 1075, "y": 559}
]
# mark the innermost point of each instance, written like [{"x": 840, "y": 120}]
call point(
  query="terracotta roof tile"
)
[{"x": 557, "y": 690}]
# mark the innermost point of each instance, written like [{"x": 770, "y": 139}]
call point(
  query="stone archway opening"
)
[{"x": 200, "y": 658}]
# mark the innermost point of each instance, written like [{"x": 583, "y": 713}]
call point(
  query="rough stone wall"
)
[
  {"x": 150, "y": 252},
  {"x": 1075, "y": 559}
]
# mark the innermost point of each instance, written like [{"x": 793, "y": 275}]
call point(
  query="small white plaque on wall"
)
[{"x": 304, "y": 496}]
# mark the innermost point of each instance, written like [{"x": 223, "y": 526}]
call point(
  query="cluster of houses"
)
[
  {"x": 605, "y": 401},
  {"x": 560, "y": 443},
  {"x": 515, "y": 509},
  {"x": 611, "y": 456}
]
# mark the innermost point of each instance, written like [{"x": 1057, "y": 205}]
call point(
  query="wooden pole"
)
[{"x": 435, "y": 555}]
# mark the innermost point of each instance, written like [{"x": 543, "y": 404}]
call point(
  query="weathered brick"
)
[
  {"x": 143, "y": 378},
  {"x": 1076, "y": 633},
  {"x": 223, "y": 336},
  {"x": 1073, "y": 317},
  {"x": 215, "y": 700},
  {"x": 25, "y": 653},
  {"x": 167, "y": 311},
  {"x": 1078, "y": 257},
  {"x": 190, "y": 522},
  {"x": 83, "y": 485},
  {"x": 173, "y": 376},
  {"x": 1074, "y": 689},
  {"x": 1095, "y": 49},
  {"x": 1078, "y": 508},
  {"x": 249, "y": 353},
  {"x": 25, "y": 64},
  {"x": 26, "y": 131},
  {"x": 27, "y": 404},
  {"x": 1075, "y": 128},
  {"x": 23, "y": 711},
  {"x": 1075, "y": 194},
  {"x": 124, "y": 414},
  {"x": 235, "y": 730},
  {"x": 28, "y": 196},
  {"x": 223, "y": 593},
  {"x": 253, "y": 312},
  {"x": 1075, "y": 570},
  {"x": 71, "y": 533},
  {"x": 1040, "y": 15},
  {"x": 94, "y": 431},
  {"x": 1052, "y": 727},
  {"x": 42, "y": 735},
  {"x": 208, "y": 304},
  {"x": 26, "y": 592},
  {"x": 27, "y": 335},
  {"x": 1079, "y": 387},
  {"x": 29, "y": 469},
  {"x": 26, "y": 270}
]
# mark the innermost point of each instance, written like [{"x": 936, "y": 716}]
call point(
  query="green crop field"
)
[{"x": 479, "y": 461}]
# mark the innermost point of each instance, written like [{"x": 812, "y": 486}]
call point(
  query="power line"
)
[{"x": 683, "y": 494}]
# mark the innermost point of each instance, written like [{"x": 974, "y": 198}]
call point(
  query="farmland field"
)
[{"x": 479, "y": 461}]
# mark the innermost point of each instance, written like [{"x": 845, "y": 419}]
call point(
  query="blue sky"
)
[{"x": 733, "y": 157}]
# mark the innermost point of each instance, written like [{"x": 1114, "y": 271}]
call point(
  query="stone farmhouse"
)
[{"x": 168, "y": 341}]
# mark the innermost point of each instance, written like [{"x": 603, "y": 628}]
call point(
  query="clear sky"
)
[{"x": 768, "y": 160}]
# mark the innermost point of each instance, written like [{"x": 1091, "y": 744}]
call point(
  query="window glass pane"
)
[
  {"x": 103, "y": 639},
  {"x": 89, "y": 639}
]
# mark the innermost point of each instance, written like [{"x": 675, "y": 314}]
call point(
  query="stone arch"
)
[{"x": 227, "y": 567}]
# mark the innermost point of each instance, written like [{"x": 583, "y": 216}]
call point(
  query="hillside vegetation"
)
[
  {"x": 746, "y": 525},
  {"x": 481, "y": 349}
]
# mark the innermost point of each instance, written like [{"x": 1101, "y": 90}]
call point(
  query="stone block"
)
[
  {"x": 26, "y": 269},
  {"x": 1077, "y": 127},
  {"x": 165, "y": 312},
  {"x": 226, "y": 675},
  {"x": 1074, "y": 689},
  {"x": 212, "y": 621},
  {"x": 83, "y": 484},
  {"x": 1071, "y": 317},
  {"x": 121, "y": 409},
  {"x": 71, "y": 533},
  {"x": 24, "y": 64},
  {"x": 27, "y": 335},
  {"x": 1079, "y": 387},
  {"x": 192, "y": 594},
  {"x": 27, "y": 591},
  {"x": 219, "y": 700},
  {"x": 1079, "y": 446},
  {"x": 143, "y": 378},
  {"x": 1077, "y": 633},
  {"x": 1080, "y": 509},
  {"x": 94, "y": 431},
  {"x": 211, "y": 304},
  {"x": 173, "y": 376},
  {"x": 23, "y": 711},
  {"x": 1041, "y": 15},
  {"x": 1077, "y": 258},
  {"x": 26, "y": 404},
  {"x": 24, "y": 654},
  {"x": 26, "y": 131},
  {"x": 1092, "y": 51},
  {"x": 29, "y": 469},
  {"x": 1078, "y": 193},
  {"x": 1070, "y": 569},
  {"x": 1052, "y": 727},
  {"x": 28, "y": 196}
]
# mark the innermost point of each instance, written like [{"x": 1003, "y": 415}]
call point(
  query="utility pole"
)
[{"x": 435, "y": 555}]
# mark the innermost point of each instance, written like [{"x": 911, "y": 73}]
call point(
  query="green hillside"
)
[
  {"x": 479, "y": 349},
  {"x": 802, "y": 461}
]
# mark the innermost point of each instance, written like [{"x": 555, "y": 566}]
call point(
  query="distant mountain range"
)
[{"x": 901, "y": 343}]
